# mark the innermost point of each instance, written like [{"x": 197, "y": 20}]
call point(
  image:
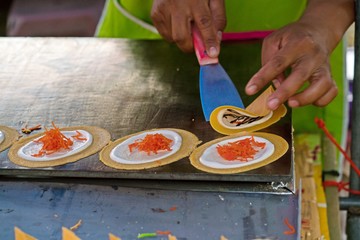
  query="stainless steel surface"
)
[{"x": 125, "y": 87}]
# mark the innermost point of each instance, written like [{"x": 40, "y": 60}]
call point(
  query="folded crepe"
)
[{"x": 229, "y": 119}]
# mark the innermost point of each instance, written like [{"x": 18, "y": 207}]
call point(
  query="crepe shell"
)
[
  {"x": 7, "y": 137},
  {"x": 33, "y": 147},
  {"x": 2, "y": 137},
  {"x": 229, "y": 119},
  {"x": 100, "y": 138},
  {"x": 207, "y": 159},
  {"x": 122, "y": 154},
  {"x": 117, "y": 154}
]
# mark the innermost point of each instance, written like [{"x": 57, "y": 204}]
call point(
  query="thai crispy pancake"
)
[
  {"x": 278, "y": 144},
  {"x": 188, "y": 143},
  {"x": 229, "y": 119},
  {"x": 100, "y": 136}
]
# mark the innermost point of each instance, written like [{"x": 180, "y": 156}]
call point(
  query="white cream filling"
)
[
  {"x": 2, "y": 137},
  {"x": 32, "y": 147},
  {"x": 211, "y": 157},
  {"x": 228, "y": 125},
  {"x": 122, "y": 154}
]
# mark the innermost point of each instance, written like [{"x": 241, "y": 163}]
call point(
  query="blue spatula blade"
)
[{"x": 217, "y": 89}]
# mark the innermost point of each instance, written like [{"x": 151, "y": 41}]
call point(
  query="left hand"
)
[{"x": 301, "y": 47}]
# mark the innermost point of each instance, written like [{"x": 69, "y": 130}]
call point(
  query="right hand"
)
[
  {"x": 174, "y": 19},
  {"x": 301, "y": 47}
]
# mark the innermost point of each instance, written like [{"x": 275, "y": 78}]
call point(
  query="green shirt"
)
[{"x": 131, "y": 18}]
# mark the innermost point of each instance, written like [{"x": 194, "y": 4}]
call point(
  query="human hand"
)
[
  {"x": 173, "y": 19},
  {"x": 301, "y": 47}
]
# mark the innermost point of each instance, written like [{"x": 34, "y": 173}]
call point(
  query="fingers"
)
[
  {"x": 181, "y": 33},
  {"x": 320, "y": 102},
  {"x": 204, "y": 22},
  {"x": 173, "y": 19},
  {"x": 321, "y": 91},
  {"x": 217, "y": 8},
  {"x": 308, "y": 62},
  {"x": 278, "y": 80},
  {"x": 277, "y": 56},
  {"x": 271, "y": 45},
  {"x": 273, "y": 68},
  {"x": 302, "y": 70},
  {"x": 328, "y": 97},
  {"x": 274, "y": 60},
  {"x": 162, "y": 19}
]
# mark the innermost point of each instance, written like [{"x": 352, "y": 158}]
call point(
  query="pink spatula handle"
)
[{"x": 200, "y": 50}]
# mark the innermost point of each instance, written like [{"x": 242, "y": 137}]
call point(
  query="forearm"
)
[{"x": 331, "y": 18}]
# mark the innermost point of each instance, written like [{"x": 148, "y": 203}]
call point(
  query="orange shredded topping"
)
[
  {"x": 151, "y": 143},
  {"x": 53, "y": 141},
  {"x": 242, "y": 150},
  {"x": 76, "y": 226},
  {"x": 79, "y": 136},
  {"x": 291, "y": 227},
  {"x": 158, "y": 232},
  {"x": 173, "y": 208}
]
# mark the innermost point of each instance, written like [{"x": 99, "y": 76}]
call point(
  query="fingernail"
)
[
  {"x": 213, "y": 52},
  {"x": 219, "y": 35},
  {"x": 273, "y": 103},
  {"x": 252, "y": 89},
  {"x": 293, "y": 103},
  {"x": 276, "y": 83}
]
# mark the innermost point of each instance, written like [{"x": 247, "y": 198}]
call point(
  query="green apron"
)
[{"x": 131, "y": 19}]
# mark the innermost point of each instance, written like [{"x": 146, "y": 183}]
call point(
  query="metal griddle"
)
[{"x": 125, "y": 87}]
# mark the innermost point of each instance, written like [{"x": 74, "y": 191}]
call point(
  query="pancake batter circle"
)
[
  {"x": 201, "y": 159},
  {"x": 183, "y": 144},
  {"x": 100, "y": 138}
]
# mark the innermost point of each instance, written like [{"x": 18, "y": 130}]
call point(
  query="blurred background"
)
[{"x": 50, "y": 18}]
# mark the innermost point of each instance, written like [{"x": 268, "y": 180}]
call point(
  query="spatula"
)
[{"x": 216, "y": 87}]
